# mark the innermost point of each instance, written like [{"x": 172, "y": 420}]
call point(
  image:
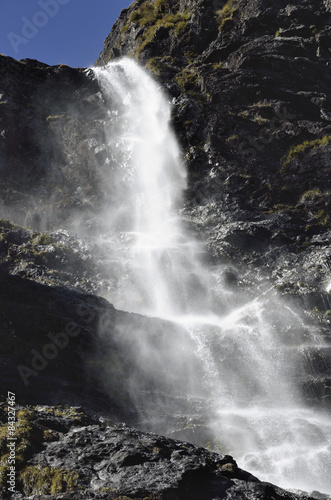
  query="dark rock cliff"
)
[
  {"x": 42, "y": 184},
  {"x": 250, "y": 82}
]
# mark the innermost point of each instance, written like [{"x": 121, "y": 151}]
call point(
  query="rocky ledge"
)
[{"x": 66, "y": 454}]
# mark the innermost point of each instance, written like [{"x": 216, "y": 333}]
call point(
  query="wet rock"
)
[
  {"x": 76, "y": 347},
  {"x": 77, "y": 456},
  {"x": 39, "y": 104}
]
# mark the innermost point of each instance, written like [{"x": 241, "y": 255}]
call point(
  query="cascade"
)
[{"x": 251, "y": 350}]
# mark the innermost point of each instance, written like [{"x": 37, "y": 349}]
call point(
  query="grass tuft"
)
[{"x": 296, "y": 151}]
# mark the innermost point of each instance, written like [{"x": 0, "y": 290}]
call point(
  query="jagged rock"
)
[
  {"x": 41, "y": 105},
  {"x": 72, "y": 455}
]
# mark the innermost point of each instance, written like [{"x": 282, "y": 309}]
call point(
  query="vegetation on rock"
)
[
  {"x": 37, "y": 480},
  {"x": 28, "y": 436},
  {"x": 153, "y": 18},
  {"x": 225, "y": 14},
  {"x": 297, "y": 151}
]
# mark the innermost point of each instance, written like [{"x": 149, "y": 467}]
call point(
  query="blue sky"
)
[{"x": 68, "y": 32}]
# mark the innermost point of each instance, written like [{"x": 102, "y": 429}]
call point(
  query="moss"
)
[
  {"x": 296, "y": 152},
  {"x": 61, "y": 411},
  {"x": 7, "y": 224},
  {"x": 68, "y": 412},
  {"x": 260, "y": 120},
  {"x": 225, "y": 14},
  {"x": 26, "y": 435},
  {"x": 180, "y": 27},
  {"x": 244, "y": 114},
  {"x": 218, "y": 65},
  {"x": 322, "y": 218},
  {"x": 29, "y": 437},
  {"x": 311, "y": 195},
  {"x": 159, "y": 64},
  {"x": 105, "y": 489},
  {"x": 188, "y": 80},
  {"x": 316, "y": 200},
  {"x": 50, "y": 436},
  {"x": 4, "y": 470},
  {"x": 42, "y": 239},
  {"x": 57, "y": 117},
  {"x": 147, "y": 13},
  {"x": 232, "y": 137},
  {"x": 152, "y": 15},
  {"x": 47, "y": 480}
]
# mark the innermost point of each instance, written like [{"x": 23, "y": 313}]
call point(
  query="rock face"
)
[
  {"x": 250, "y": 84},
  {"x": 41, "y": 107},
  {"x": 76, "y": 347},
  {"x": 73, "y": 455}
]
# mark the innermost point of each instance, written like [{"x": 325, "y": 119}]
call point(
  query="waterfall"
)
[{"x": 250, "y": 350}]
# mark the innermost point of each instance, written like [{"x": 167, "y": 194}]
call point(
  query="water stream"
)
[{"x": 250, "y": 359}]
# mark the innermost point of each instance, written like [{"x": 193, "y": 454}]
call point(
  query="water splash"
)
[{"x": 251, "y": 361}]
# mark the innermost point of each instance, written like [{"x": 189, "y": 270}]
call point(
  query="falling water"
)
[{"x": 250, "y": 359}]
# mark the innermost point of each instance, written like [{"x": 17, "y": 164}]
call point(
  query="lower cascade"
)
[{"x": 251, "y": 351}]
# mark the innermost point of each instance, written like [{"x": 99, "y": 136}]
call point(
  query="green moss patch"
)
[
  {"x": 25, "y": 433},
  {"x": 38, "y": 480},
  {"x": 28, "y": 438},
  {"x": 148, "y": 13},
  {"x": 4, "y": 223},
  {"x": 62, "y": 411},
  {"x": 152, "y": 16},
  {"x": 188, "y": 80},
  {"x": 33, "y": 434},
  {"x": 311, "y": 195},
  {"x": 159, "y": 65},
  {"x": 42, "y": 239},
  {"x": 51, "y": 118},
  {"x": 314, "y": 202},
  {"x": 297, "y": 151},
  {"x": 226, "y": 14}
]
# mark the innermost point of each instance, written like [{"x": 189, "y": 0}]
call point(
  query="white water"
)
[{"x": 249, "y": 357}]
